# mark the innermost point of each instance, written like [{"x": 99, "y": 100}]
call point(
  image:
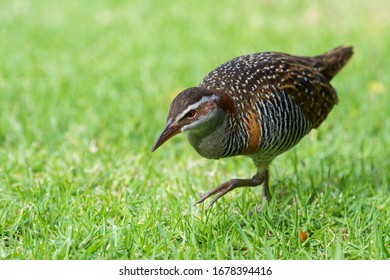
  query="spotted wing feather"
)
[{"x": 263, "y": 75}]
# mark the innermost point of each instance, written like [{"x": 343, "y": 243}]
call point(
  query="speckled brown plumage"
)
[
  {"x": 262, "y": 75},
  {"x": 258, "y": 105}
]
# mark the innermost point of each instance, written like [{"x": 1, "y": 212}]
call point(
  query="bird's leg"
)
[
  {"x": 228, "y": 186},
  {"x": 266, "y": 193}
]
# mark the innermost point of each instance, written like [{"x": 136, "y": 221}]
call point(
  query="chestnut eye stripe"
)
[{"x": 195, "y": 106}]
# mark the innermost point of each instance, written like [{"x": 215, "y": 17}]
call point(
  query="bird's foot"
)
[
  {"x": 228, "y": 186},
  {"x": 220, "y": 190}
]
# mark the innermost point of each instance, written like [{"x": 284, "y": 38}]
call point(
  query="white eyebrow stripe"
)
[{"x": 196, "y": 105}]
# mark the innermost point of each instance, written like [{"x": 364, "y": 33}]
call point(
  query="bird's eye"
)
[{"x": 190, "y": 114}]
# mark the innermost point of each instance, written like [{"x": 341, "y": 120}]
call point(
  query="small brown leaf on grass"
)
[
  {"x": 345, "y": 234},
  {"x": 303, "y": 235},
  {"x": 243, "y": 248}
]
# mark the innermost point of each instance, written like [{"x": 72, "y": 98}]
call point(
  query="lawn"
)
[{"x": 84, "y": 92}]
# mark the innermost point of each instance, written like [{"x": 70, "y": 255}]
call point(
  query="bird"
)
[{"x": 257, "y": 105}]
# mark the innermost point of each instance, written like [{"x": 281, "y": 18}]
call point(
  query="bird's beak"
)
[{"x": 169, "y": 131}]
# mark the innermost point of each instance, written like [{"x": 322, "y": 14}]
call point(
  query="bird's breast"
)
[{"x": 209, "y": 143}]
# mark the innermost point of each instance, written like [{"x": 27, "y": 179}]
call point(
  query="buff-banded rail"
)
[{"x": 258, "y": 105}]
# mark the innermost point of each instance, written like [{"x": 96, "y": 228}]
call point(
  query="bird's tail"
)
[{"x": 331, "y": 62}]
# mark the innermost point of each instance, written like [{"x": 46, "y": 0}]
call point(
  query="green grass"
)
[{"x": 84, "y": 92}]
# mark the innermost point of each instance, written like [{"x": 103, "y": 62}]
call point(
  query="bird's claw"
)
[{"x": 220, "y": 190}]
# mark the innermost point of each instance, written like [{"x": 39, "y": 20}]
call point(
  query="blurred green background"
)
[{"x": 85, "y": 87}]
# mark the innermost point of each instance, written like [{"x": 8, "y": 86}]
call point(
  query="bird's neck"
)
[
  {"x": 214, "y": 139},
  {"x": 209, "y": 140}
]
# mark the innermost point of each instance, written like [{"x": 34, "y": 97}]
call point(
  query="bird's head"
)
[{"x": 195, "y": 110}]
